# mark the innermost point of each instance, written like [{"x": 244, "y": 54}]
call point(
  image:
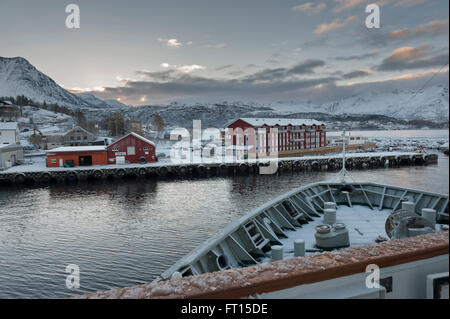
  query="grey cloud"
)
[
  {"x": 356, "y": 57},
  {"x": 390, "y": 64},
  {"x": 306, "y": 67},
  {"x": 223, "y": 67},
  {"x": 355, "y": 74}
]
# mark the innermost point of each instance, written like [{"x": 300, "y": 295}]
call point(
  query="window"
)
[
  {"x": 84, "y": 137},
  {"x": 131, "y": 150},
  {"x": 53, "y": 161},
  {"x": 115, "y": 149},
  {"x": 146, "y": 148}
]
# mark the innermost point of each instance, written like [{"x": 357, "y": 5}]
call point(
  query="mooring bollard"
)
[
  {"x": 429, "y": 214},
  {"x": 409, "y": 206},
  {"x": 329, "y": 205},
  {"x": 277, "y": 252},
  {"x": 329, "y": 216},
  {"x": 299, "y": 247}
]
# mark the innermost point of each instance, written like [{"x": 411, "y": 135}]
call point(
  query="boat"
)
[
  {"x": 331, "y": 239},
  {"x": 315, "y": 219}
]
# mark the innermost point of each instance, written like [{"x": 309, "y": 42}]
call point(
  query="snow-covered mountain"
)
[
  {"x": 430, "y": 104},
  {"x": 19, "y": 77},
  {"x": 93, "y": 101}
]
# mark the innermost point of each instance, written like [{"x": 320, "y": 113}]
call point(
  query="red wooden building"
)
[
  {"x": 131, "y": 148},
  {"x": 76, "y": 156},
  {"x": 293, "y": 134}
]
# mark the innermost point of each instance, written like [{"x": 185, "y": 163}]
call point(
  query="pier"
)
[{"x": 36, "y": 174}]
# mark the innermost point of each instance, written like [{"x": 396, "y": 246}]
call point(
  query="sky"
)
[{"x": 144, "y": 52}]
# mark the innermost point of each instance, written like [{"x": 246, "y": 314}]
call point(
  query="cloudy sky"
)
[{"x": 157, "y": 51}]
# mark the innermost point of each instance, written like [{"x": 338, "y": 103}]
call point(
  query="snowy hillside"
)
[
  {"x": 429, "y": 104},
  {"x": 19, "y": 77},
  {"x": 98, "y": 103}
]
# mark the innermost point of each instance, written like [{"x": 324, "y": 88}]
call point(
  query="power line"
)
[{"x": 426, "y": 83}]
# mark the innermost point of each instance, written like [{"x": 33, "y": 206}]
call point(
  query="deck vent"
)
[{"x": 332, "y": 237}]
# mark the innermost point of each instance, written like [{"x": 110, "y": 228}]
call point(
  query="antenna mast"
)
[{"x": 343, "y": 171}]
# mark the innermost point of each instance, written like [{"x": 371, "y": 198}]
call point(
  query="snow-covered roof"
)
[
  {"x": 279, "y": 121},
  {"x": 5, "y": 102},
  {"x": 8, "y": 125},
  {"x": 66, "y": 149},
  {"x": 135, "y": 135},
  {"x": 9, "y": 146},
  {"x": 78, "y": 128}
]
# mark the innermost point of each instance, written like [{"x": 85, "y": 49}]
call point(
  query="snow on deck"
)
[{"x": 364, "y": 225}]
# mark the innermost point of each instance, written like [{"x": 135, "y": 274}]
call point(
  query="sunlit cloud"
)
[
  {"x": 310, "y": 8},
  {"x": 334, "y": 25},
  {"x": 173, "y": 43}
]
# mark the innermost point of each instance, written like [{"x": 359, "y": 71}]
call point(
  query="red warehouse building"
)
[
  {"x": 131, "y": 148},
  {"x": 293, "y": 134},
  {"x": 77, "y": 156}
]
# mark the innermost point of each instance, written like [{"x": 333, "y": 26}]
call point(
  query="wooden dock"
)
[{"x": 166, "y": 169}]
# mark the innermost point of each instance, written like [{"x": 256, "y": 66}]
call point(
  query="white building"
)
[
  {"x": 9, "y": 133},
  {"x": 10, "y": 155}
]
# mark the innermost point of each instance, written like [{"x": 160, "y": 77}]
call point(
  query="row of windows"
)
[{"x": 130, "y": 149}]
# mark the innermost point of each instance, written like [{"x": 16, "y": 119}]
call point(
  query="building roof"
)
[
  {"x": 135, "y": 135},
  {"x": 278, "y": 121},
  {"x": 67, "y": 149},
  {"x": 8, "y": 125},
  {"x": 78, "y": 128},
  {"x": 6, "y": 147}
]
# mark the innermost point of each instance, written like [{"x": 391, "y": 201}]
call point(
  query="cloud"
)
[
  {"x": 357, "y": 57},
  {"x": 223, "y": 67},
  {"x": 165, "y": 65},
  {"x": 319, "y": 90},
  {"x": 406, "y": 58},
  {"x": 334, "y": 25},
  {"x": 304, "y": 68},
  {"x": 310, "y": 8},
  {"x": 403, "y": 3},
  {"x": 431, "y": 28},
  {"x": 216, "y": 46},
  {"x": 190, "y": 68},
  {"x": 355, "y": 74},
  {"x": 342, "y": 5},
  {"x": 173, "y": 43}
]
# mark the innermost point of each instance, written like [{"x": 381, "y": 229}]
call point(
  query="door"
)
[
  {"x": 120, "y": 159},
  {"x": 85, "y": 160},
  {"x": 61, "y": 162}
]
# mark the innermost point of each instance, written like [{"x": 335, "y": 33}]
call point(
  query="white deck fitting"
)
[{"x": 364, "y": 226}]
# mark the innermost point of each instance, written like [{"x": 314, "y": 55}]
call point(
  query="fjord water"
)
[{"x": 125, "y": 233}]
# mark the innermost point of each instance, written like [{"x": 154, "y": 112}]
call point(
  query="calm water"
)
[{"x": 126, "y": 233}]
